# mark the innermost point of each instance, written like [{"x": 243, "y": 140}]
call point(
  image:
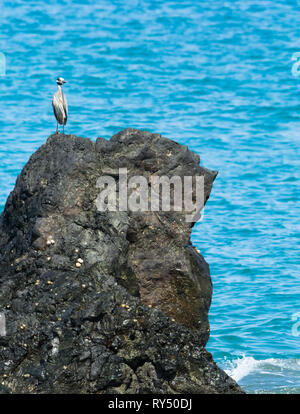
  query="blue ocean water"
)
[{"x": 212, "y": 75}]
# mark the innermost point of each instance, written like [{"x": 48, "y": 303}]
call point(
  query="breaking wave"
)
[{"x": 280, "y": 375}]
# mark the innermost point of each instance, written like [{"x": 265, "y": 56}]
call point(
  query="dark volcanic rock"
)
[{"x": 133, "y": 317}]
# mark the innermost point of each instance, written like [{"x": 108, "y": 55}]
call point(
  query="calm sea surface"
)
[{"x": 215, "y": 75}]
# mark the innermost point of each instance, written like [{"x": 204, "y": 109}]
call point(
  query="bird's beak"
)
[{"x": 64, "y": 81}]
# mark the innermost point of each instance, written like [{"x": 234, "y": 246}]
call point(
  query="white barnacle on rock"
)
[
  {"x": 2, "y": 325},
  {"x": 55, "y": 346},
  {"x": 80, "y": 261}
]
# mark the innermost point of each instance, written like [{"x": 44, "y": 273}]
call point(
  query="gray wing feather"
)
[
  {"x": 59, "y": 104},
  {"x": 65, "y": 105}
]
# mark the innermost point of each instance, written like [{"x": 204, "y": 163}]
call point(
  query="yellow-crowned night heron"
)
[{"x": 60, "y": 105}]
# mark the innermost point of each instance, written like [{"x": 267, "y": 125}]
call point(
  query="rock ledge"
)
[{"x": 103, "y": 302}]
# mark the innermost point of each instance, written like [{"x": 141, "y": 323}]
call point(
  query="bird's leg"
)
[
  {"x": 57, "y": 127},
  {"x": 63, "y": 128}
]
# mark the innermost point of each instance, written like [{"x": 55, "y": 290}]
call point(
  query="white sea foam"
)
[{"x": 242, "y": 367}]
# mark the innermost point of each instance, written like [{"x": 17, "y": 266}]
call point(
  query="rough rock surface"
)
[{"x": 103, "y": 302}]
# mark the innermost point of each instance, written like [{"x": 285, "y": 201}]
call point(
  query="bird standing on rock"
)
[{"x": 60, "y": 105}]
